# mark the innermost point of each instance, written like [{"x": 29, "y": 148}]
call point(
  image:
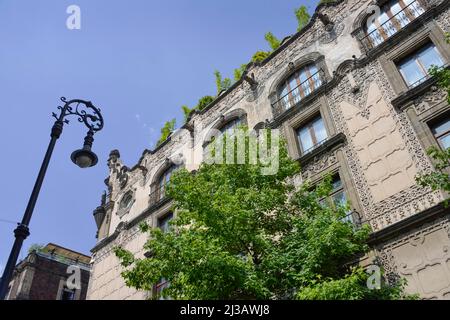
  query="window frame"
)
[
  {"x": 432, "y": 33},
  {"x": 440, "y": 120},
  {"x": 165, "y": 218},
  {"x": 313, "y": 84},
  {"x": 392, "y": 21},
  {"x": 414, "y": 56},
  {"x": 309, "y": 124}
]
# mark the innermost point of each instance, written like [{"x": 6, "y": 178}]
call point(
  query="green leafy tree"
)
[
  {"x": 186, "y": 111},
  {"x": 240, "y": 234},
  {"x": 221, "y": 84},
  {"x": 439, "y": 179},
  {"x": 166, "y": 130},
  {"x": 239, "y": 72},
  {"x": 203, "y": 102},
  {"x": 302, "y": 16},
  {"x": 36, "y": 247},
  {"x": 273, "y": 41},
  {"x": 259, "y": 56}
]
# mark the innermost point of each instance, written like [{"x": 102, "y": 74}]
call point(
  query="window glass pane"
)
[
  {"x": 302, "y": 75},
  {"x": 445, "y": 141},
  {"x": 319, "y": 130},
  {"x": 339, "y": 198},
  {"x": 411, "y": 71},
  {"x": 441, "y": 127},
  {"x": 337, "y": 184},
  {"x": 285, "y": 98},
  {"x": 429, "y": 56},
  {"x": 414, "y": 7},
  {"x": 163, "y": 223},
  {"x": 305, "y": 138},
  {"x": 400, "y": 15},
  {"x": 387, "y": 24}
]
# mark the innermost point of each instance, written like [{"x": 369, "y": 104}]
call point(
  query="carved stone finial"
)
[
  {"x": 329, "y": 25},
  {"x": 251, "y": 80},
  {"x": 114, "y": 155}
]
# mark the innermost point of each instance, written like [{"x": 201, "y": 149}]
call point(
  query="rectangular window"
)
[
  {"x": 339, "y": 198},
  {"x": 311, "y": 135},
  {"x": 68, "y": 294},
  {"x": 414, "y": 68},
  {"x": 163, "y": 222},
  {"x": 441, "y": 131}
]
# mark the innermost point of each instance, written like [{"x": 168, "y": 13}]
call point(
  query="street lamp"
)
[{"x": 84, "y": 158}]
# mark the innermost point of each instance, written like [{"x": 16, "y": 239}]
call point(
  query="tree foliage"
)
[
  {"x": 166, "y": 130},
  {"x": 302, "y": 16},
  {"x": 221, "y": 83},
  {"x": 37, "y": 247},
  {"x": 239, "y": 72},
  {"x": 273, "y": 41},
  {"x": 202, "y": 103},
  {"x": 260, "y": 56},
  {"x": 439, "y": 179},
  {"x": 240, "y": 234}
]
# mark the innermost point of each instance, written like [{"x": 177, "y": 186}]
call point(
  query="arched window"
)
[
  {"x": 226, "y": 128},
  {"x": 230, "y": 126},
  {"x": 163, "y": 181},
  {"x": 299, "y": 85},
  {"x": 394, "y": 15}
]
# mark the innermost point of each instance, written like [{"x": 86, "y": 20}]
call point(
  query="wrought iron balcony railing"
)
[
  {"x": 394, "y": 24},
  {"x": 426, "y": 77},
  {"x": 318, "y": 144},
  {"x": 300, "y": 92}
]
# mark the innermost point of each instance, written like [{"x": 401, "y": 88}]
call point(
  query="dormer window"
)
[
  {"x": 394, "y": 16},
  {"x": 298, "y": 86}
]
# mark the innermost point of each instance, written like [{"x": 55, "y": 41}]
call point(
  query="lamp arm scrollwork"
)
[{"x": 84, "y": 110}]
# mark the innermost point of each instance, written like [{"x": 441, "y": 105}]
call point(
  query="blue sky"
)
[{"x": 139, "y": 61}]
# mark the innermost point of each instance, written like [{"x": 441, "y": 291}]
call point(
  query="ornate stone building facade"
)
[{"x": 352, "y": 95}]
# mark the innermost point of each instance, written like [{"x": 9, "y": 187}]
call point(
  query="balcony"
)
[
  {"x": 394, "y": 24},
  {"x": 299, "y": 93}
]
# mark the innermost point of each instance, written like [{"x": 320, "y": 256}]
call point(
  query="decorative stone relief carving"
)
[
  {"x": 443, "y": 20},
  {"x": 319, "y": 164},
  {"x": 403, "y": 203},
  {"x": 432, "y": 97},
  {"x": 422, "y": 257}
]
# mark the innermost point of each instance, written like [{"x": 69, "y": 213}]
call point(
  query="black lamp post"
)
[{"x": 84, "y": 158}]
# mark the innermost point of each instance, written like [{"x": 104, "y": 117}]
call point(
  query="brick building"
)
[{"x": 43, "y": 275}]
